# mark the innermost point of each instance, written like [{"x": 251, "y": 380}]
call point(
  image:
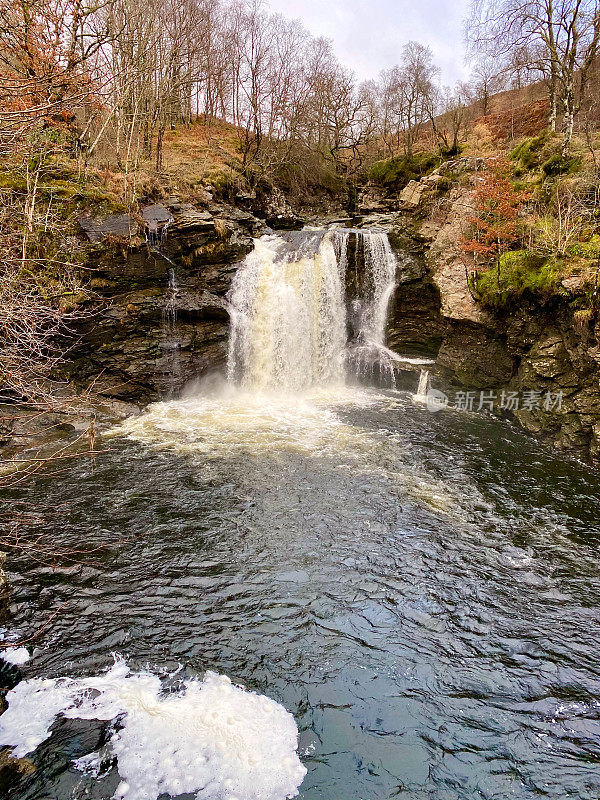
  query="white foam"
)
[
  {"x": 212, "y": 738},
  {"x": 15, "y": 655},
  {"x": 259, "y": 423}
]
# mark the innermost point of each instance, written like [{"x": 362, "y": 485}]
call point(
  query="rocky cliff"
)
[
  {"x": 526, "y": 352},
  {"x": 160, "y": 315}
]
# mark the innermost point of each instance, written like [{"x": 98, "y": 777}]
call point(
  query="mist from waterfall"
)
[{"x": 289, "y": 326}]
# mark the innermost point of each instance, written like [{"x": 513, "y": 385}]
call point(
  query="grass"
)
[
  {"x": 200, "y": 156},
  {"x": 587, "y": 250}
]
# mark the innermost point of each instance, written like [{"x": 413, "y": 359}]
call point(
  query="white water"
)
[
  {"x": 368, "y": 357},
  {"x": 289, "y": 326},
  {"x": 211, "y": 738},
  {"x": 423, "y": 386},
  {"x": 170, "y": 309},
  {"x": 171, "y": 344},
  {"x": 15, "y": 655}
]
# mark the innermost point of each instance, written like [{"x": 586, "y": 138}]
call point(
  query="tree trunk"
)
[
  {"x": 569, "y": 101},
  {"x": 553, "y": 109},
  {"x": 159, "y": 146}
]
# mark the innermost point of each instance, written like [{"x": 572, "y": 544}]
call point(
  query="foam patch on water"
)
[
  {"x": 15, "y": 655},
  {"x": 212, "y": 739}
]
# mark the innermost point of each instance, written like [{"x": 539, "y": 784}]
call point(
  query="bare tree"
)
[
  {"x": 486, "y": 80},
  {"x": 556, "y": 38}
]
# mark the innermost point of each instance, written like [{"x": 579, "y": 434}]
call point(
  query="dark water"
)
[{"x": 425, "y": 602}]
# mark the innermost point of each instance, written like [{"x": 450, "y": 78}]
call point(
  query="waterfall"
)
[
  {"x": 423, "y": 386},
  {"x": 289, "y": 327},
  {"x": 368, "y": 358},
  {"x": 170, "y": 343},
  {"x": 170, "y": 308}
]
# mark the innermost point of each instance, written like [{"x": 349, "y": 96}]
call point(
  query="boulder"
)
[
  {"x": 411, "y": 195},
  {"x": 157, "y": 218}
]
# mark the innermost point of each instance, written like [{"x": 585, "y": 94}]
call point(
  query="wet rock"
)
[
  {"x": 278, "y": 212},
  {"x": 13, "y": 771},
  {"x": 247, "y": 221},
  {"x": 189, "y": 221},
  {"x": 269, "y": 203},
  {"x": 475, "y": 356},
  {"x": 97, "y": 228},
  {"x": 529, "y": 349},
  {"x": 3, "y": 578},
  {"x": 157, "y": 218},
  {"x": 165, "y": 318}
]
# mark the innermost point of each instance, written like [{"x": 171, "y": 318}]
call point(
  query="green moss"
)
[
  {"x": 589, "y": 249},
  {"x": 520, "y": 273},
  {"x": 528, "y": 154},
  {"x": 395, "y": 173},
  {"x": 557, "y": 164}
]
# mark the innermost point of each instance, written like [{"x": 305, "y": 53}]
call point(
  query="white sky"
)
[{"x": 368, "y": 34}]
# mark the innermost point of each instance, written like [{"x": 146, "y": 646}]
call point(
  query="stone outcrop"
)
[
  {"x": 270, "y": 204},
  {"x": 160, "y": 315}
]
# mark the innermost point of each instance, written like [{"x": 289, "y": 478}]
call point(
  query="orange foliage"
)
[
  {"x": 41, "y": 64},
  {"x": 495, "y": 223}
]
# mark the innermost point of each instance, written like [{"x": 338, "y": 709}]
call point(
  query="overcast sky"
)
[{"x": 368, "y": 34}]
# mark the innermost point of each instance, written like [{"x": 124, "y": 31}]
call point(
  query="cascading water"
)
[
  {"x": 171, "y": 344},
  {"x": 368, "y": 357},
  {"x": 289, "y": 321},
  {"x": 423, "y": 386},
  {"x": 288, "y": 326},
  {"x": 170, "y": 307}
]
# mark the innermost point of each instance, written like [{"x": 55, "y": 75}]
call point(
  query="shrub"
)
[
  {"x": 582, "y": 317},
  {"x": 589, "y": 249},
  {"x": 559, "y": 165},
  {"x": 495, "y": 224},
  {"x": 528, "y": 153}
]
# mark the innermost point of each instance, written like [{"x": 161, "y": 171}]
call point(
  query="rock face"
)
[
  {"x": 161, "y": 316},
  {"x": 540, "y": 354},
  {"x": 416, "y": 325},
  {"x": 270, "y": 203}
]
